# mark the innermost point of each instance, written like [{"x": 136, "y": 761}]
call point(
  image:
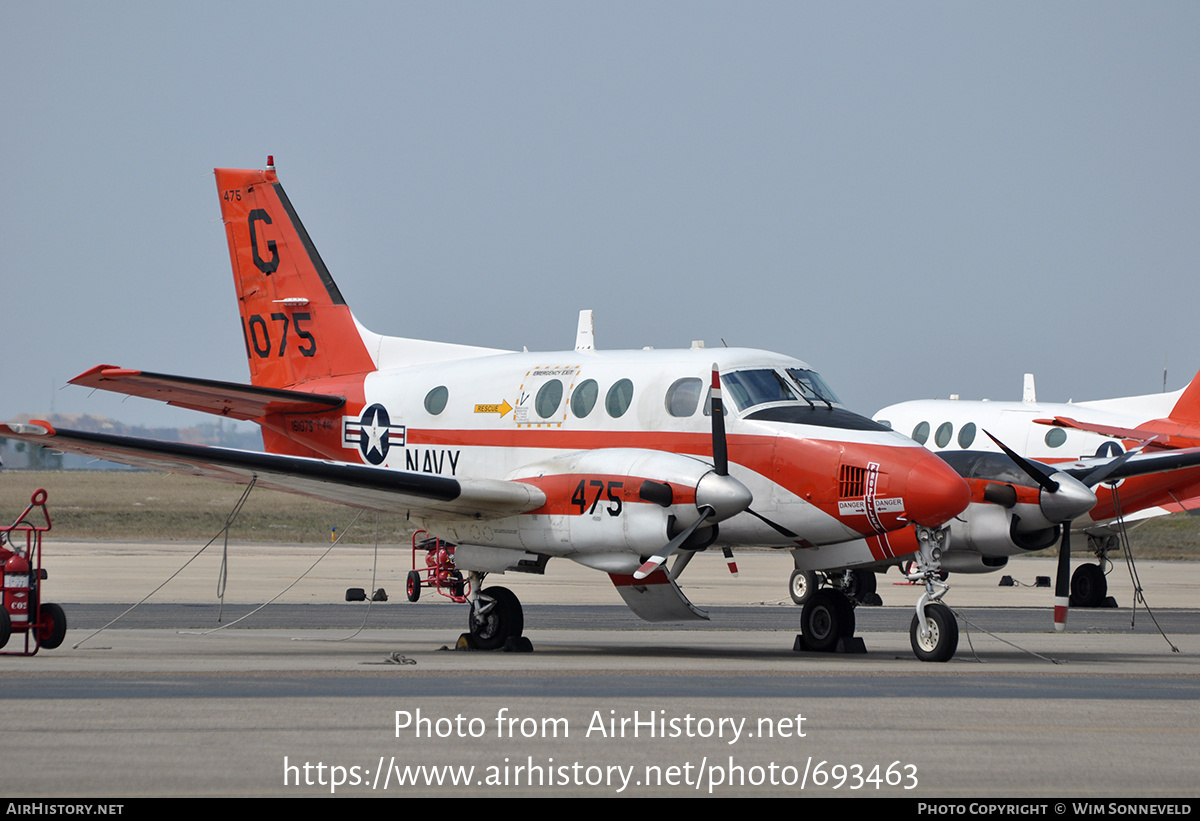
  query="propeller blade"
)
[
  {"x": 729, "y": 560},
  {"x": 780, "y": 529},
  {"x": 1101, "y": 473},
  {"x": 1024, "y": 464},
  {"x": 720, "y": 450},
  {"x": 656, "y": 561},
  {"x": 1062, "y": 585},
  {"x": 681, "y": 562}
]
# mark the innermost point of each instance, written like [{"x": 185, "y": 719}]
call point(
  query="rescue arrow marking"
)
[{"x": 501, "y": 409}]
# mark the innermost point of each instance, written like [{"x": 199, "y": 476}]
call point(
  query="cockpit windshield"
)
[
  {"x": 758, "y": 387},
  {"x": 812, "y": 386},
  {"x": 763, "y": 386},
  {"x": 795, "y": 396}
]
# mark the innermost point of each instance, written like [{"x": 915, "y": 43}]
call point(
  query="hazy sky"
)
[{"x": 915, "y": 198}]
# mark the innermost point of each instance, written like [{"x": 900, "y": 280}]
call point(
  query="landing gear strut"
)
[
  {"x": 934, "y": 630},
  {"x": 858, "y": 585}
]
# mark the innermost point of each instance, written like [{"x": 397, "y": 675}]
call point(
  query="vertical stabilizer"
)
[
  {"x": 1187, "y": 409},
  {"x": 295, "y": 324}
]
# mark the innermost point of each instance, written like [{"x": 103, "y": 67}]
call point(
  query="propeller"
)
[
  {"x": 1062, "y": 583},
  {"x": 718, "y": 495},
  {"x": 1063, "y": 499}
]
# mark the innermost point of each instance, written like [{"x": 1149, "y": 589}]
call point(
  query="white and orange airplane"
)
[
  {"x": 1163, "y": 427},
  {"x": 613, "y": 459},
  {"x": 1086, "y": 467}
]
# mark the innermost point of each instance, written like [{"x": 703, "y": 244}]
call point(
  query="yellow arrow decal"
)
[{"x": 501, "y": 409}]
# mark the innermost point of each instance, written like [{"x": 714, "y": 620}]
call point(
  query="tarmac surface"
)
[{"x": 304, "y": 697}]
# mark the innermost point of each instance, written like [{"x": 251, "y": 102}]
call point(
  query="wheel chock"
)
[
  {"x": 851, "y": 646},
  {"x": 517, "y": 644}
]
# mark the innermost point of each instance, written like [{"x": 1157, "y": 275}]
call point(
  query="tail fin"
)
[
  {"x": 295, "y": 323},
  {"x": 1187, "y": 409}
]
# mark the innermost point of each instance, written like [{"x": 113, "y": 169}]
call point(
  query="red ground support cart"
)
[
  {"x": 44, "y": 624},
  {"x": 438, "y": 572}
]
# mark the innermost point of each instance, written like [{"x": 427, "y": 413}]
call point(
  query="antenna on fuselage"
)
[
  {"x": 585, "y": 334},
  {"x": 1030, "y": 392}
]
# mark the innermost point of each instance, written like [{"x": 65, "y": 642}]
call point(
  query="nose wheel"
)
[
  {"x": 933, "y": 631},
  {"x": 939, "y": 639}
]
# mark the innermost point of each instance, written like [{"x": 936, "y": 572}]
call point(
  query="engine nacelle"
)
[{"x": 963, "y": 561}]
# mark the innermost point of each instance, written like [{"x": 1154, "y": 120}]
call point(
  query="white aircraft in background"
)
[
  {"x": 1090, "y": 466},
  {"x": 617, "y": 460}
]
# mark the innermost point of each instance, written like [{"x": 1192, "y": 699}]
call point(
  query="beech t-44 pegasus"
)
[
  {"x": 1081, "y": 467},
  {"x": 617, "y": 460}
]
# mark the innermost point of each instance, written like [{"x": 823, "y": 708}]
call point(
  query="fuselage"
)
[{"x": 583, "y": 426}]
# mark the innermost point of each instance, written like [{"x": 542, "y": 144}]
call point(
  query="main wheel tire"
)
[
  {"x": 412, "y": 585},
  {"x": 503, "y": 620},
  {"x": 52, "y": 626},
  {"x": 827, "y": 616},
  {"x": 943, "y": 634},
  {"x": 1089, "y": 587},
  {"x": 5, "y": 626},
  {"x": 862, "y": 585},
  {"x": 801, "y": 585}
]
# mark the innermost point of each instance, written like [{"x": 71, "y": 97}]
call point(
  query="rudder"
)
[{"x": 295, "y": 324}]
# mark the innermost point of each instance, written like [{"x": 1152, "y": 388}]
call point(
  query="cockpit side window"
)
[
  {"x": 757, "y": 387},
  {"x": 683, "y": 396}
]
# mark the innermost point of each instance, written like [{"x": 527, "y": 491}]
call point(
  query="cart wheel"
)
[
  {"x": 413, "y": 585},
  {"x": 52, "y": 626},
  {"x": 5, "y": 627},
  {"x": 456, "y": 583}
]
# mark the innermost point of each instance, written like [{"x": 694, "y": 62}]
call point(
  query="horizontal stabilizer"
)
[
  {"x": 1155, "y": 435},
  {"x": 229, "y": 399},
  {"x": 365, "y": 486}
]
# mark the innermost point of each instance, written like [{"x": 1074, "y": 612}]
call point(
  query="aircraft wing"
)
[
  {"x": 362, "y": 486},
  {"x": 1137, "y": 464},
  {"x": 229, "y": 399}
]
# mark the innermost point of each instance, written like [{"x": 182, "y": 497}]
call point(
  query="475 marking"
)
[{"x": 595, "y": 488}]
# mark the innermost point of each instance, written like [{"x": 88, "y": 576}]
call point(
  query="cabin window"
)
[
  {"x": 583, "y": 398},
  {"x": 920, "y": 433},
  {"x": 1056, "y": 437},
  {"x": 618, "y": 399},
  {"x": 966, "y": 436},
  {"x": 683, "y": 396},
  {"x": 942, "y": 437},
  {"x": 435, "y": 400},
  {"x": 548, "y": 398}
]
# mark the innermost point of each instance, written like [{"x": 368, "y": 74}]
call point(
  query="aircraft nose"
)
[{"x": 934, "y": 493}]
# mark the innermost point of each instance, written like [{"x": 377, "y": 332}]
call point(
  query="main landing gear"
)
[
  {"x": 1089, "y": 585},
  {"x": 858, "y": 585},
  {"x": 933, "y": 632},
  {"x": 826, "y": 620},
  {"x": 495, "y": 620}
]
